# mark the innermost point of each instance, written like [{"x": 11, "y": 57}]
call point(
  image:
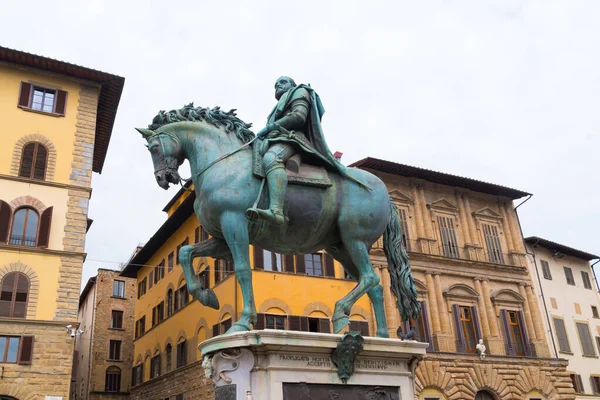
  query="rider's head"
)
[{"x": 282, "y": 85}]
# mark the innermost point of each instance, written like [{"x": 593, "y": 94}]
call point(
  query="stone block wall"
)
[
  {"x": 189, "y": 381},
  {"x": 50, "y": 369}
]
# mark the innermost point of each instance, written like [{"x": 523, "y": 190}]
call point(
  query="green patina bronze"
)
[
  {"x": 326, "y": 206},
  {"x": 344, "y": 355}
]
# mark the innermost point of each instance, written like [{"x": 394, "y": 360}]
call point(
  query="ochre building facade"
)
[
  {"x": 57, "y": 120},
  {"x": 104, "y": 347},
  {"x": 470, "y": 268}
]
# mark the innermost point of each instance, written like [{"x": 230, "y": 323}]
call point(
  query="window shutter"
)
[
  {"x": 461, "y": 342},
  {"x": 8, "y": 284},
  {"x": 324, "y": 325},
  {"x": 510, "y": 344},
  {"x": 363, "y": 326},
  {"x": 561, "y": 333},
  {"x": 26, "y": 352},
  {"x": 217, "y": 271},
  {"x": 329, "y": 268},
  {"x": 61, "y": 102},
  {"x": 27, "y": 160},
  {"x": 579, "y": 383},
  {"x": 21, "y": 294},
  {"x": 258, "y": 258},
  {"x": 25, "y": 94},
  {"x": 526, "y": 343},
  {"x": 304, "y": 324},
  {"x": 427, "y": 332},
  {"x": 5, "y": 212},
  {"x": 289, "y": 263},
  {"x": 294, "y": 323},
  {"x": 215, "y": 330},
  {"x": 45, "y": 223},
  {"x": 260, "y": 320},
  {"x": 300, "y": 268},
  {"x": 475, "y": 317},
  {"x": 39, "y": 167},
  {"x": 151, "y": 280}
]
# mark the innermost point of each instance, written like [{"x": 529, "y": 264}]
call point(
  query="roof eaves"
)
[{"x": 569, "y": 251}]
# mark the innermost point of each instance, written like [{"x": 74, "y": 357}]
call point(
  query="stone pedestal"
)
[{"x": 288, "y": 365}]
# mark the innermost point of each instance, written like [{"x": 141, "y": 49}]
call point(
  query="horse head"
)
[{"x": 167, "y": 155}]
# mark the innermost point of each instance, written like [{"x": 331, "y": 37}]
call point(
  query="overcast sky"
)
[{"x": 503, "y": 91}]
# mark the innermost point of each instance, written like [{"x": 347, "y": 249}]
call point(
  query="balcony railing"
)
[
  {"x": 23, "y": 240},
  {"x": 471, "y": 253}
]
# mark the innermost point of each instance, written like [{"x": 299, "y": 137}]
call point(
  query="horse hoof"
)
[
  {"x": 340, "y": 323},
  {"x": 209, "y": 298},
  {"x": 238, "y": 327}
]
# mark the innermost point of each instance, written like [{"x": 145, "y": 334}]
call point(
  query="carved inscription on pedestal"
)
[
  {"x": 226, "y": 392},
  {"x": 308, "y": 391}
]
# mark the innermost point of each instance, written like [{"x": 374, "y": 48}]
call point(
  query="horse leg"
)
[
  {"x": 213, "y": 247},
  {"x": 367, "y": 280},
  {"x": 375, "y": 294},
  {"x": 235, "y": 229}
]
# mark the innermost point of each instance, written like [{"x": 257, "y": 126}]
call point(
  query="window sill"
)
[
  {"x": 589, "y": 356},
  {"x": 50, "y": 114},
  {"x": 566, "y": 352},
  {"x": 115, "y": 361},
  {"x": 116, "y": 329},
  {"x": 119, "y": 297}
]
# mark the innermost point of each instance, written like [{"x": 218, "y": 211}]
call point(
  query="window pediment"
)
[
  {"x": 460, "y": 292},
  {"x": 400, "y": 198},
  {"x": 507, "y": 297},
  {"x": 421, "y": 287},
  {"x": 487, "y": 213},
  {"x": 444, "y": 205}
]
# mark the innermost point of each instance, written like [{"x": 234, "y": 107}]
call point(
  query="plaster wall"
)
[{"x": 569, "y": 300}]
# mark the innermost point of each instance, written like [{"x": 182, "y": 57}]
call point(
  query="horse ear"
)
[{"x": 146, "y": 133}]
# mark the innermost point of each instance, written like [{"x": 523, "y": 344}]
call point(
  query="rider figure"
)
[{"x": 294, "y": 126}]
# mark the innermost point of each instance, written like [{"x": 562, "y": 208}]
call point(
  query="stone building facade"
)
[
  {"x": 104, "y": 348},
  {"x": 470, "y": 267},
  {"x": 58, "y": 119},
  {"x": 569, "y": 295}
]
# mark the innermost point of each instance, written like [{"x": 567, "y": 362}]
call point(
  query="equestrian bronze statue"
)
[{"x": 281, "y": 190}]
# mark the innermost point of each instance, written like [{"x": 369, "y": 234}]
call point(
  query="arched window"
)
[
  {"x": 113, "y": 379},
  {"x": 13, "y": 298},
  {"x": 25, "y": 227},
  {"x": 169, "y": 302},
  {"x": 33, "y": 161},
  {"x": 181, "y": 353},
  {"x": 168, "y": 355},
  {"x": 484, "y": 395}
]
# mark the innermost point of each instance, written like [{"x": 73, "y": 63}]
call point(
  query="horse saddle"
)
[{"x": 308, "y": 175}]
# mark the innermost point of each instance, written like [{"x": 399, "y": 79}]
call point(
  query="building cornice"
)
[
  {"x": 45, "y": 183},
  {"x": 37, "y": 250}
]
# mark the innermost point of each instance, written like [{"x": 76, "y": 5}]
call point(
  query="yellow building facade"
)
[
  {"x": 57, "y": 119},
  {"x": 469, "y": 264}
]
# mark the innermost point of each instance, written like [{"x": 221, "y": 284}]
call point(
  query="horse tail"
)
[{"x": 402, "y": 281}]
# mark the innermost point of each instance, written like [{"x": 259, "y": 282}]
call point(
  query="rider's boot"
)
[{"x": 277, "y": 181}]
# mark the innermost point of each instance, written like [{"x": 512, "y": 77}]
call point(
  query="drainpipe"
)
[
  {"x": 537, "y": 273},
  {"x": 594, "y": 275}
]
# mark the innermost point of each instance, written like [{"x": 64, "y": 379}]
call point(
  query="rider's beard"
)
[{"x": 279, "y": 93}]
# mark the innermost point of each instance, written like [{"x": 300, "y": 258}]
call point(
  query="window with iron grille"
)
[
  {"x": 114, "y": 350},
  {"x": 113, "y": 379},
  {"x": 25, "y": 227},
  {"x": 448, "y": 236},
  {"x": 569, "y": 276},
  {"x": 116, "y": 319},
  {"x": 546, "y": 270},
  {"x": 492, "y": 242}
]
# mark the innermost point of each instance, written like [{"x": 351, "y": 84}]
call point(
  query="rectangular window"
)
[
  {"x": 561, "y": 333},
  {"x": 595, "y": 380},
  {"x": 466, "y": 318},
  {"x": 119, "y": 288},
  {"x": 141, "y": 326},
  {"x": 275, "y": 322},
  {"x": 170, "y": 261},
  {"x": 585, "y": 277},
  {"x": 142, "y": 288},
  {"x": 448, "y": 236},
  {"x": 492, "y": 242},
  {"x": 155, "y": 367},
  {"x": 595, "y": 312},
  {"x": 313, "y": 264},
  {"x": 577, "y": 383},
  {"x": 514, "y": 330},
  {"x": 586, "y": 339},
  {"x": 159, "y": 271},
  {"x": 466, "y": 323},
  {"x": 116, "y": 320},
  {"x": 225, "y": 325},
  {"x": 42, "y": 99},
  {"x": 546, "y": 270},
  {"x": 272, "y": 261},
  {"x": 114, "y": 350},
  {"x": 203, "y": 277},
  {"x": 9, "y": 349},
  {"x": 151, "y": 280},
  {"x": 404, "y": 225},
  {"x": 569, "y": 276},
  {"x": 362, "y": 326},
  {"x": 598, "y": 343}
]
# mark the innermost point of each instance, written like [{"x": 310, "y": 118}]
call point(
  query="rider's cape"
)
[{"x": 318, "y": 146}]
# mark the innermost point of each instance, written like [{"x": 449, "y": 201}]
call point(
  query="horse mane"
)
[{"x": 215, "y": 116}]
